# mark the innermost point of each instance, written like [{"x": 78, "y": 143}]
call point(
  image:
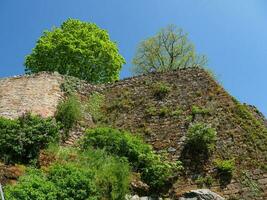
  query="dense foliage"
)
[
  {"x": 91, "y": 175},
  {"x": 153, "y": 168},
  {"x": 33, "y": 185},
  {"x": 22, "y": 139},
  {"x": 78, "y": 49},
  {"x": 69, "y": 112},
  {"x": 94, "y": 105},
  {"x": 199, "y": 110},
  {"x": 161, "y": 89},
  {"x": 201, "y": 138},
  {"x": 225, "y": 167},
  {"x": 169, "y": 49}
]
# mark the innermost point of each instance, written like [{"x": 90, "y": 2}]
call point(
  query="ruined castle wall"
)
[
  {"x": 131, "y": 98},
  {"x": 37, "y": 93},
  {"x": 128, "y": 102}
]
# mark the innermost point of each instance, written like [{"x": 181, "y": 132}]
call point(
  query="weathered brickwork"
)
[{"x": 38, "y": 94}]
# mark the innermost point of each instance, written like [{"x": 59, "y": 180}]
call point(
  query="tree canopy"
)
[
  {"x": 78, "y": 49},
  {"x": 169, "y": 49}
]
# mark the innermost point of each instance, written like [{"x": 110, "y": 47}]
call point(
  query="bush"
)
[
  {"x": 151, "y": 111},
  {"x": 89, "y": 175},
  {"x": 33, "y": 185},
  {"x": 201, "y": 138},
  {"x": 198, "y": 110},
  {"x": 69, "y": 112},
  {"x": 177, "y": 112},
  {"x": 94, "y": 105},
  {"x": 225, "y": 167},
  {"x": 204, "y": 181},
  {"x": 123, "y": 102},
  {"x": 22, "y": 139},
  {"x": 73, "y": 182},
  {"x": 113, "y": 176},
  {"x": 71, "y": 85},
  {"x": 163, "y": 111},
  {"x": 160, "y": 90},
  {"x": 107, "y": 174},
  {"x": 154, "y": 170}
]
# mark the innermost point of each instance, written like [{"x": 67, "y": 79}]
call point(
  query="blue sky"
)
[{"x": 232, "y": 33}]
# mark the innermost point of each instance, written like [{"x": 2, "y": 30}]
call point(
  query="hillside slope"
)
[
  {"x": 160, "y": 107},
  {"x": 192, "y": 96}
]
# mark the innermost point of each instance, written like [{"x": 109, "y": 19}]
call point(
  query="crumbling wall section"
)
[{"x": 38, "y": 93}]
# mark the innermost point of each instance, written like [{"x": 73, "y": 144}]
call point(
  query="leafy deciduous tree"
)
[
  {"x": 78, "y": 49},
  {"x": 169, "y": 49}
]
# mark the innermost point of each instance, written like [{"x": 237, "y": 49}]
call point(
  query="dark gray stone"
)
[{"x": 201, "y": 194}]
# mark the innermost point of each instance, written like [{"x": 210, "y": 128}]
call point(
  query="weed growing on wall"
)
[
  {"x": 69, "y": 113},
  {"x": 160, "y": 90},
  {"x": 201, "y": 138},
  {"x": 94, "y": 106}
]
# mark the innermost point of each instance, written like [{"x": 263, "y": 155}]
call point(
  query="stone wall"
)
[
  {"x": 37, "y": 93},
  {"x": 249, "y": 186},
  {"x": 126, "y": 107}
]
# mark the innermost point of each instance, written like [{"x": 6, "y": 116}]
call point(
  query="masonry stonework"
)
[
  {"x": 126, "y": 106},
  {"x": 39, "y": 94}
]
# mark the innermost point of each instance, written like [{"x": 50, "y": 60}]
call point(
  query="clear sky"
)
[{"x": 232, "y": 33}]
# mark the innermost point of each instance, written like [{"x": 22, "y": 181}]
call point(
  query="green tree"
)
[
  {"x": 169, "y": 49},
  {"x": 78, "y": 49}
]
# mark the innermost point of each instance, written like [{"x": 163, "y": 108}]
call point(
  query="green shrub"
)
[
  {"x": 164, "y": 111},
  {"x": 120, "y": 104},
  {"x": 71, "y": 85},
  {"x": 201, "y": 138},
  {"x": 160, "y": 90},
  {"x": 225, "y": 167},
  {"x": 177, "y": 112},
  {"x": 113, "y": 177},
  {"x": 73, "y": 182},
  {"x": 243, "y": 112},
  {"x": 111, "y": 174},
  {"x": 151, "y": 111},
  {"x": 69, "y": 112},
  {"x": 189, "y": 118},
  {"x": 206, "y": 181},
  {"x": 161, "y": 112},
  {"x": 154, "y": 170},
  {"x": 198, "y": 110},
  {"x": 33, "y": 185},
  {"x": 89, "y": 175},
  {"x": 94, "y": 105},
  {"x": 22, "y": 139}
]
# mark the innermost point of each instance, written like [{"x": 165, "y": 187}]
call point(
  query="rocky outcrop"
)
[
  {"x": 201, "y": 194},
  {"x": 136, "y": 197}
]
